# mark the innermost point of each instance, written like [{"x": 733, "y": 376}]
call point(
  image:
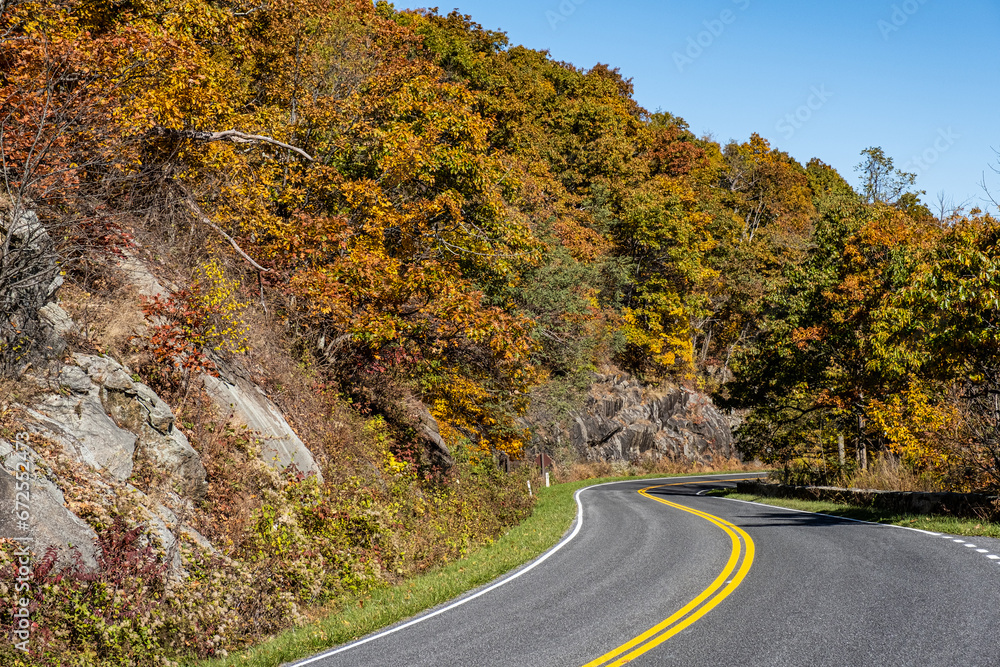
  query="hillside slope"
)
[{"x": 289, "y": 289}]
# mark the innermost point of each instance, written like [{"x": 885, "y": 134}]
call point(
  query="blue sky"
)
[{"x": 818, "y": 79}]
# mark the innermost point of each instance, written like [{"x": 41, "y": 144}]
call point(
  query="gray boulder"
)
[
  {"x": 245, "y": 402},
  {"x": 32, "y": 277},
  {"x": 427, "y": 427},
  {"x": 624, "y": 421},
  {"x": 137, "y": 408},
  {"x": 75, "y": 416},
  {"x": 103, "y": 418},
  {"x": 50, "y": 523}
]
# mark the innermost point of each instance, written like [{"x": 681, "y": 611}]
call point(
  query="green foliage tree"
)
[
  {"x": 881, "y": 181},
  {"x": 817, "y": 365}
]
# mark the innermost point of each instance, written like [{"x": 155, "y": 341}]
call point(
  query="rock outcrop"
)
[
  {"x": 95, "y": 422},
  {"x": 137, "y": 408},
  {"x": 99, "y": 418},
  {"x": 104, "y": 418},
  {"x": 236, "y": 397},
  {"x": 245, "y": 402},
  {"x": 624, "y": 421},
  {"x": 94, "y": 416},
  {"x": 51, "y": 524},
  {"x": 74, "y": 416}
]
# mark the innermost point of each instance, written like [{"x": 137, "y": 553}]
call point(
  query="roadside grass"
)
[
  {"x": 358, "y": 616},
  {"x": 936, "y": 524}
]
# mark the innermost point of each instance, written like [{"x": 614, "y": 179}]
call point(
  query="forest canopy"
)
[{"x": 422, "y": 203}]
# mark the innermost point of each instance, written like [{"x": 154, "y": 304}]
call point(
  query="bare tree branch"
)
[
  {"x": 189, "y": 200},
  {"x": 250, "y": 11},
  {"x": 228, "y": 135},
  {"x": 986, "y": 189}
]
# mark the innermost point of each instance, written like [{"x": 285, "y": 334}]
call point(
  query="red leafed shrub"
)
[
  {"x": 184, "y": 326},
  {"x": 110, "y": 615},
  {"x": 175, "y": 337},
  {"x": 101, "y": 234}
]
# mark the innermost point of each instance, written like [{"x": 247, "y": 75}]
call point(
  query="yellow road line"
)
[{"x": 707, "y": 600}]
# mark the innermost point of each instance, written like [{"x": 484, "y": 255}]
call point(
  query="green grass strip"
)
[
  {"x": 361, "y": 615},
  {"x": 936, "y": 524}
]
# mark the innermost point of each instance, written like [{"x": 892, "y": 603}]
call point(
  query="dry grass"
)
[
  {"x": 238, "y": 482},
  {"x": 888, "y": 473},
  {"x": 293, "y": 383},
  {"x": 14, "y": 393},
  {"x": 107, "y": 319}
]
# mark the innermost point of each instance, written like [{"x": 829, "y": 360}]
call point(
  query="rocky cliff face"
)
[
  {"x": 94, "y": 426},
  {"x": 624, "y": 421},
  {"x": 98, "y": 423}
]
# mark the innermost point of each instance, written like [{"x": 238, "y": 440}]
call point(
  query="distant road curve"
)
[{"x": 654, "y": 574}]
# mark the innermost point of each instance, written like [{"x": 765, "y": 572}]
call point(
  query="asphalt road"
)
[{"x": 710, "y": 581}]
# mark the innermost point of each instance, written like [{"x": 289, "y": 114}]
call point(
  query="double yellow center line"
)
[{"x": 732, "y": 575}]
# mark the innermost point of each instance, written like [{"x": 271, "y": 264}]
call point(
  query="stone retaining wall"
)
[{"x": 970, "y": 505}]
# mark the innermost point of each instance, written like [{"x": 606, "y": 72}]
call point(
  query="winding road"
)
[{"x": 654, "y": 574}]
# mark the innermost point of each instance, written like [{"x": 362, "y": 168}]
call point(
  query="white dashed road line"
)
[
  {"x": 985, "y": 552},
  {"x": 887, "y": 525}
]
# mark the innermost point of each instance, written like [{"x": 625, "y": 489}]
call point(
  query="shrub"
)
[
  {"x": 188, "y": 323},
  {"x": 107, "y": 616}
]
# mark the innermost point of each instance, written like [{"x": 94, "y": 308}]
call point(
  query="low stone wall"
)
[{"x": 970, "y": 505}]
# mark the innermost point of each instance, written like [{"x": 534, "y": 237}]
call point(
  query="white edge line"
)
[
  {"x": 831, "y": 516},
  {"x": 457, "y": 603}
]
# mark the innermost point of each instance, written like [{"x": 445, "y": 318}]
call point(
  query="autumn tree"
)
[
  {"x": 665, "y": 238},
  {"x": 943, "y": 329},
  {"x": 763, "y": 209},
  {"x": 62, "y": 155},
  {"x": 396, "y": 238},
  {"x": 817, "y": 367}
]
